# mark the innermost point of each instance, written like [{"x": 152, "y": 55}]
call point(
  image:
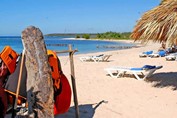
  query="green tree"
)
[
  {"x": 86, "y": 36},
  {"x": 77, "y": 36},
  {"x": 113, "y": 35}
]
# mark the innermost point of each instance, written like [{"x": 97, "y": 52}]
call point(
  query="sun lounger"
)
[
  {"x": 97, "y": 58},
  {"x": 102, "y": 58},
  {"x": 145, "y": 71},
  {"x": 160, "y": 53},
  {"x": 172, "y": 56},
  {"x": 86, "y": 58},
  {"x": 89, "y": 58},
  {"x": 145, "y": 54}
]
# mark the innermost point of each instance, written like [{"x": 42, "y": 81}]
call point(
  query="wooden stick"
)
[
  {"x": 67, "y": 51},
  {"x": 73, "y": 81},
  {"x": 71, "y": 52},
  {"x": 19, "y": 79}
]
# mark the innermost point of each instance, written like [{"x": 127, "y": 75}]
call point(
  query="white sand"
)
[{"x": 100, "y": 96}]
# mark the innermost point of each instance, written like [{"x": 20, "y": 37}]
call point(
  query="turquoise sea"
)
[{"x": 61, "y": 43}]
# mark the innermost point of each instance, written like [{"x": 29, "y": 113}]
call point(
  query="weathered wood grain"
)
[{"x": 39, "y": 79}]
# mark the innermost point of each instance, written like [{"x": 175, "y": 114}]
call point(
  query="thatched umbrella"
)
[{"x": 158, "y": 24}]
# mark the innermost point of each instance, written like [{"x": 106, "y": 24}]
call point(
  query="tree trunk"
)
[{"x": 39, "y": 79}]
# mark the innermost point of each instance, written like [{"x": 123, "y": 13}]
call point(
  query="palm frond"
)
[{"x": 158, "y": 24}]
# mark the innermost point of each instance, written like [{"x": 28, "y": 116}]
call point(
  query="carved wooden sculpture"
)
[{"x": 39, "y": 82}]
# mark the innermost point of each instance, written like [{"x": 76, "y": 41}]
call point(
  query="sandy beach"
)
[{"x": 100, "y": 96}]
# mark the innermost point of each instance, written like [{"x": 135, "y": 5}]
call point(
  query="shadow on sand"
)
[
  {"x": 161, "y": 80},
  {"x": 85, "y": 111}
]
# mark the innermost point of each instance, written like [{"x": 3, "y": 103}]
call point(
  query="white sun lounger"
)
[
  {"x": 98, "y": 58},
  {"x": 172, "y": 56},
  {"x": 145, "y": 71},
  {"x": 86, "y": 58},
  {"x": 102, "y": 58},
  {"x": 145, "y": 54},
  {"x": 160, "y": 53}
]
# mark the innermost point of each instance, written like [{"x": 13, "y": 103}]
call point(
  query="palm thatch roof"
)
[{"x": 158, "y": 24}]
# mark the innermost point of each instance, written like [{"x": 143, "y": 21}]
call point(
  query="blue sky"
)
[{"x": 71, "y": 16}]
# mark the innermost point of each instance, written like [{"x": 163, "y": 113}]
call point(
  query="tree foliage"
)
[
  {"x": 77, "y": 36},
  {"x": 106, "y": 35},
  {"x": 86, "y": 36},
  {"x": 113, "y": 35}
]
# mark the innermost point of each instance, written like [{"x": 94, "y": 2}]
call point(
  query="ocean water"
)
[{"x": 61, "y": 43}]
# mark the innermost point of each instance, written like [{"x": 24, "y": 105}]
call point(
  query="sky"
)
[{"x": 71, "y": 16}]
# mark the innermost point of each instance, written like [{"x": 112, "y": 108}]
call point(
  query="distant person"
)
[
  {"x": 163, "y": 46},
  {"x": 174, "y": 49}
]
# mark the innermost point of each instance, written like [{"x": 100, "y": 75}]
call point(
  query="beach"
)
[{"x": 100, "y": 96}]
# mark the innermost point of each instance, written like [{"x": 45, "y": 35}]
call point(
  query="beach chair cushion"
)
[
  {"x": 145, "y": 54},
  {"x": 145, "y": 67},
  {"x": 162, "y": 53},
  {"x": 148, "y": 52}
]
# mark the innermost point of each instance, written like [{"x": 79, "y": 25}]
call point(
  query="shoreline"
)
[{"x": 129, "y": 41}]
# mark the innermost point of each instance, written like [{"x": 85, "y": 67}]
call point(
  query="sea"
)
[{"x": 61, "y": 43}]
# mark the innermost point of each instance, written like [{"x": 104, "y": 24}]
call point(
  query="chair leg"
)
[
  {"x": 137, "y": 77},
  {"x": 110, "y": 73},
  {"x": 120, "y": 73},
  {"x": 114, "y": 76},
  {"x": 151, "y": 72}
]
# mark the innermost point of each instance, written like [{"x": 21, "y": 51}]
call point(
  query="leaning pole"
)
[{"x": 39, "y": 79}]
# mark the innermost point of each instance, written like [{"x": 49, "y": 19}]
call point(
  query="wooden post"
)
[
  {"x": 73, "y": 80},
  {"x": 39, "y": 79},
  {"x": 19, "y": 79},
  {"x": 18, "y": 86},
  {"x": 71, "y": 52}
]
